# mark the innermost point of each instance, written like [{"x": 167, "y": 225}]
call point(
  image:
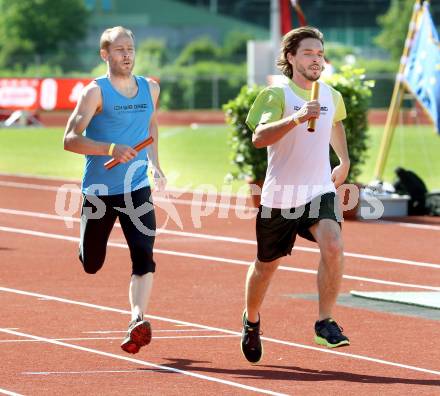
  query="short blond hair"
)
[{"x": 109, "y": 35}]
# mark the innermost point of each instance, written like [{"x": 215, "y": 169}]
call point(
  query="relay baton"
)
[
  {"x": 113, "y": 162},
  {"x": 315, "y": 94}
]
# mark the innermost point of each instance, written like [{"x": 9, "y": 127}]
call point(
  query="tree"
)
[
  {"x": 151, "y": 57},
  {"x": 235, "y": 46},
  {"x": 200, "y": 50},
  {"x": 31, "y": 30},
  {"x": 394, "y": 25}
]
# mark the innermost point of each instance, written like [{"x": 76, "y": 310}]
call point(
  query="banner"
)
[
  {"x": 422, "y": 69},
  {"x": 40, "y": 93},
  {"x": 19, "y": 93}
]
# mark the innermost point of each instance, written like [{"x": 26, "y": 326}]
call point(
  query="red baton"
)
[{"x": 113, "y": 162}]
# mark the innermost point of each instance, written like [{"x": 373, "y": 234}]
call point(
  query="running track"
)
[{"x": 60, "y": 328}]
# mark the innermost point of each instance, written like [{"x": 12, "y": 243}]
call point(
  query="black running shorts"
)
[
  {"x": 277, "y": 228},
  {"x": 98, "y": 217}
]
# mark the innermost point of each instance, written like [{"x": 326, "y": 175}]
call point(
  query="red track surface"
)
[{"x": 197, "y": 296}]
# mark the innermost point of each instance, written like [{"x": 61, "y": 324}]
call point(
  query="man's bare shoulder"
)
[
  {"x": 91, "y": 90},
  {"x": 91, "y": 96},
  {"x": 154, "y": 85}
]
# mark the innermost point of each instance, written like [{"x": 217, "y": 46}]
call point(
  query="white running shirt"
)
[{"x": 298, "y": 168}]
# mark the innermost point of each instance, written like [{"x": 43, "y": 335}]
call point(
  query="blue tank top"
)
[{"x": 122, "y": 121}]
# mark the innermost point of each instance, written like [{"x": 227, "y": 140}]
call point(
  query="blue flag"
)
[{"x": 422, "y": 72}]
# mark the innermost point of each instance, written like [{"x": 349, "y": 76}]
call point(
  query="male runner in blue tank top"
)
[{"x": 114, "y": 113}]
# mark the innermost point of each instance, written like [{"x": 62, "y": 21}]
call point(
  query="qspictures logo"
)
[{"x": 207, "y": 200}]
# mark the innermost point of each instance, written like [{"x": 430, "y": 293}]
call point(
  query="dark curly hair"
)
[{"x": 290, "y": 44}]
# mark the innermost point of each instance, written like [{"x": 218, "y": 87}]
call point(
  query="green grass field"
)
[
  {"x": 416, "y": 148},
  {"x": 192, "y": 157}
]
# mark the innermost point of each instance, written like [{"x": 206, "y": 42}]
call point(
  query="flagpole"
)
[
  {"x": 396, "y": 99},
  {"x": 275, "y": 31}
]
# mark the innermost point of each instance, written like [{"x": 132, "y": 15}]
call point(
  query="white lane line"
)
[
  {"x": 221, "y": 330},
  {"x": 143, "y": 372},
  {"x": 411, "y": 225},
  {"x": 226, "y": 239},
  {"x": 33, "y": 186},
  {"x": 119, "y": 338},
  {"x": 141, "y": 362},
  {"x": 12, "y": 341},
  {"x": 6, "y": 392},
  {"x": 218, "y": 259},
  {"x": 45, "y": 187},
  {"x": 178, "y": 201},
  {"x": 39, "y": 177},
  {"x": 78, "y": 183},
  {"x": 124, "y": 331}
]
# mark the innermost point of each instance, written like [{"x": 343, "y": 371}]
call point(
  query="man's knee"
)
[
  {"x": 142, "y": 259},
  {"x": 90, "y": 264},
  {"x": 333, "y": 248},
  {"x": 143, "y": 268},
  {"x": 266, "y": 269}
]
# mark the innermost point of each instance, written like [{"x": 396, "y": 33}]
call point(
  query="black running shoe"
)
[
  {"x": 138, "y": 335},
  {"x": 251, "y": 346},
  {"x": 329, "y": 334}
]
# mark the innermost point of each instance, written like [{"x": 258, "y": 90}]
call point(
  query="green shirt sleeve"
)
[
  {"x": 340, "y": 112},
  {"x": 267, "y": 107}
]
